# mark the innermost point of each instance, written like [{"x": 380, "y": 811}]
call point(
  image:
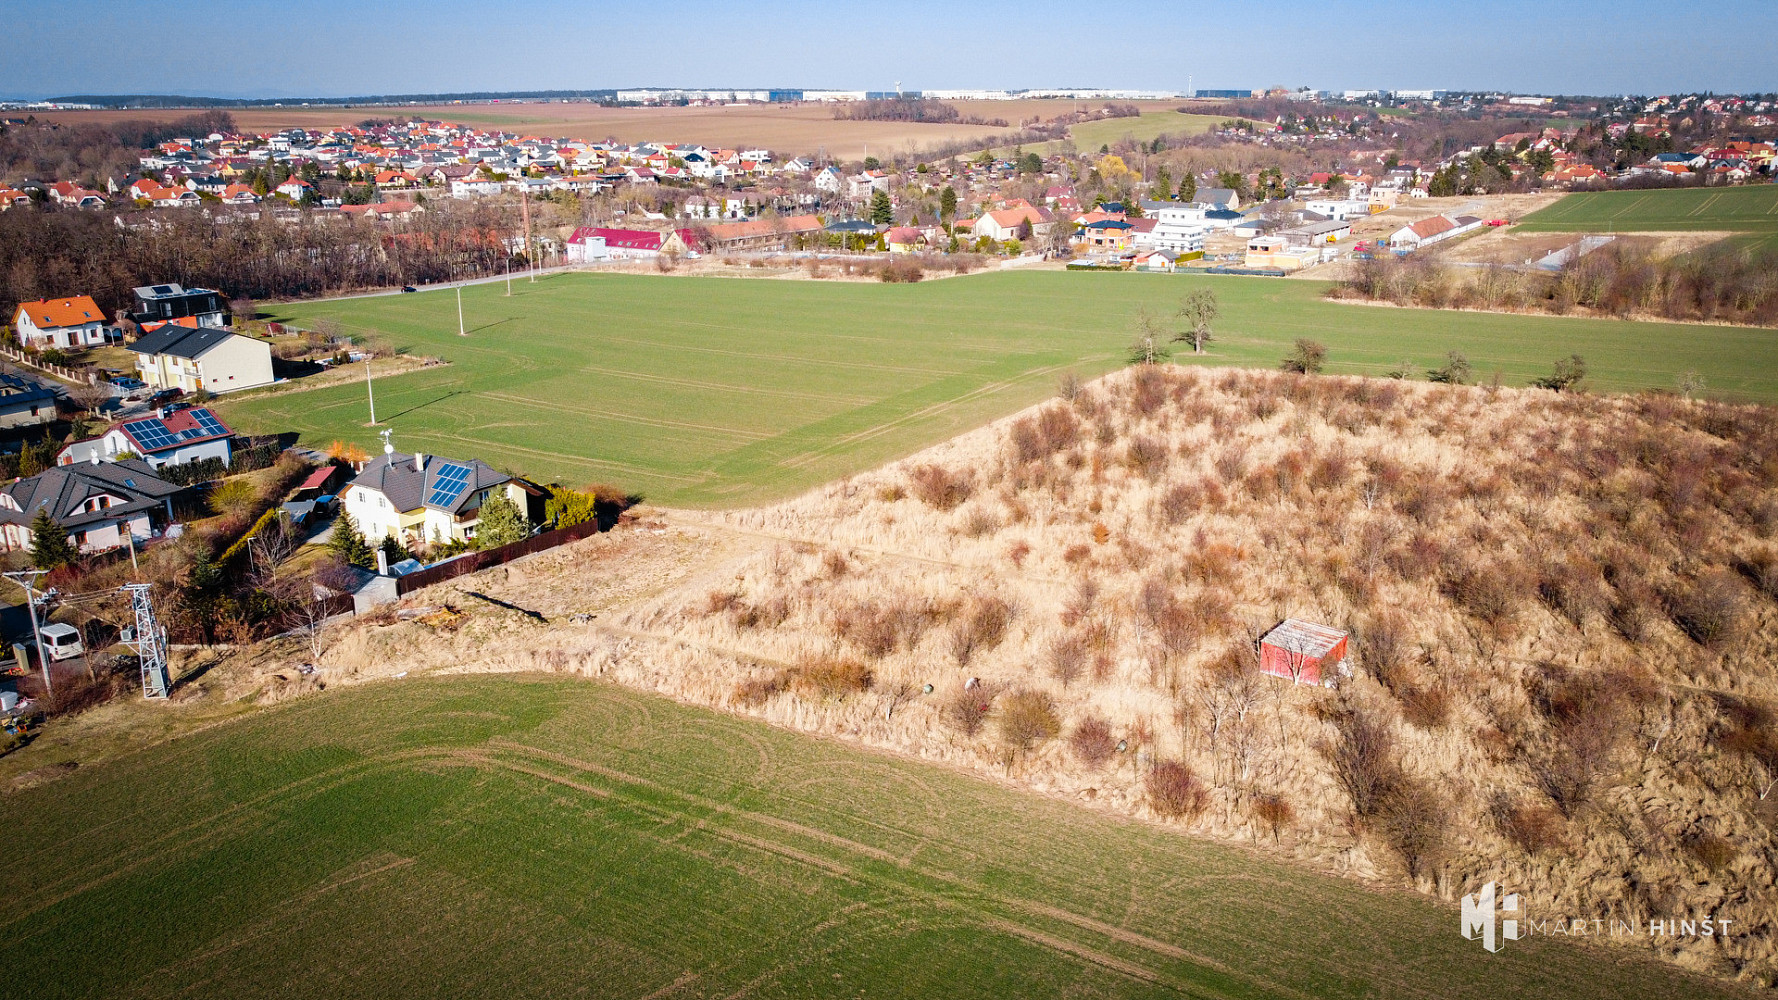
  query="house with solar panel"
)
[
  {"x": 165, "y": 437},
  {"x": 101, "y": 504},
  {"x": 425, "y": 499},
  {"x": 177, "y": 356}
]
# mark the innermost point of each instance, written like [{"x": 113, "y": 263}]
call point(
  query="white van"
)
[{"x": 61, "y": 642}]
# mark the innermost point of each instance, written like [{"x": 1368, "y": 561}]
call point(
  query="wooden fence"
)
[
  {"x": 474, "y": 561},
  {"x": 65, "y": 374}
]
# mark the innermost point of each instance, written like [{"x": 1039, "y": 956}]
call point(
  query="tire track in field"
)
[
  {"x": 207, "y": 828},
  {"x": 688, "y": 383},
  {"x": 782, "y": 359},
  {"x": 627, "y": 418},
  {"x": 964, "y": 890}
]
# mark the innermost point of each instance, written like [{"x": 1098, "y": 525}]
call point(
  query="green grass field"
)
[
  {"x": 546, "y": 837},
  {"x": 1751, "y": 211},
  {"x": 730, "y": 391}
]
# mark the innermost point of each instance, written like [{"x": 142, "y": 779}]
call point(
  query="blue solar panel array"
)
[
  {"x": 449, "y": 484},
  {"x": 154, "y": 435}
]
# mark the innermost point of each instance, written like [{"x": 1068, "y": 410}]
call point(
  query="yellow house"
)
[{"x": 176, "y": 356}]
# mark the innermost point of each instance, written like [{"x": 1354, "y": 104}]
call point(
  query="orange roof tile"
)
[{"x": 51, "y": 313}]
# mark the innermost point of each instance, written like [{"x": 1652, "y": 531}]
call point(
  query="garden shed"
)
[{"x": 1303, "y": 652}]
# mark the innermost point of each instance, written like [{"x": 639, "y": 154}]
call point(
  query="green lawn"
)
[
  {"x": 730, "y": 391},
  {"x": 546, "y": 837},
  {"x": 1751, "y": 210}
]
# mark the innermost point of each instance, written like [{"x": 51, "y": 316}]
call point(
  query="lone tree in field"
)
[
  {"x": 502, "y": 523},
  {"x": 1308, "y": 357},
  {"x": 1567, "y": 376},
  {"x": 1198, "y": 310},
  {"x": 1150, "y": 345},
  {"x": 1456, "y": 370},
  {"x": 50, "y": 548}
]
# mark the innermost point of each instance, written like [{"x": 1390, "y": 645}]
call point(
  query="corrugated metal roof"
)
[{"x": 1307, "y": 638}]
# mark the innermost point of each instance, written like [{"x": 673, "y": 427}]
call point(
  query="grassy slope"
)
[
  {"x": 1751, "y": 210},
  {"x": 722, "y": 392},
  {"x": 502, "y": 837}
]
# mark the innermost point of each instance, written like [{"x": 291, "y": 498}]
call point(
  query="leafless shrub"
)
[
  {"x": 978, "y": 521},
  {"x": 830, "y": 677},
  {"x": 892, "y": 493},
  {"x": 1027, "y": 719},
  {"x": 1383, "y": 647},
  {"x": 834, "y": 564},
  {"x": 967, "y": 711},
  {"x": 1146, "y": 457},
  {"x": 1709, "y": 609},
  {"x": 981, "y": 627},
  {"x": 721, "y": 601},
  {"x": 756, "y": 691},
  {"x": 1148, "y": 389},
  {"x": 1092, "y": 742},
  {"x": 1571, "y": 588},
  {"x": 938, "y": 487},
  {"x": 769, "y": 613},
  {"x": 1714, "y": 852},
  {"x": 880, "y": 627},
  {"x": 1274, "y": 812},
  {"x": 1174, "y": 791},
  {"x": 1490, "y": 592},
  {"x": 1585, "y": 717},
  {"x": 1426, "y": 707},
  {"x": 1180, "y": 502},
  {"x": 1411, "y": 818},
  {"x": 1067, "y": 658},
  {"x": 1532, "y": 827},
  {"x": 1362, "y": 754}
]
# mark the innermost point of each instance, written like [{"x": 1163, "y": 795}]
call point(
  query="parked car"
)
[
  {"x": 61, "y": 642},
  {"x": 409, "y": 288},
  {"x": 165, "y": 396}
]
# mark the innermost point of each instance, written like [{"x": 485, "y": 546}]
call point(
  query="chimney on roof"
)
[{"x": 419, "y": 461}]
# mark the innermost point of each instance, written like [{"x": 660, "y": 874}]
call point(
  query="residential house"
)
[
  {"x": 177, "y": 356},
  {"x": 13, "y": 198},
  {"x": 164, "y": 437},
  {"x": 425, "y": 499},
  {"x": 1178, "y": 227},
  {"x": 173, "y": 301},
  {"x": 904, "y": 239},
  {"x": 1223, "y": 199},
  {"x": 61, "y": 323},
  {"x": 829, "y": 180},
  {"x": 25, "y": 402},
  {"x": 1156, "y": 260},
  {"x": 396, "y": 180},
  {"x": 239, "y": 194},
  {"x": 475, "y": 187},
  {"x": 295, "y": 188},
  {"x": 585, "y": 247},
  {"x": 1106, "y": 234},
  {"x": 1276, "y": 253},
  {"x": 100, "y": 505},
  {"x": 1008, "y": 223},
  {"x": 863, "y": 184}
]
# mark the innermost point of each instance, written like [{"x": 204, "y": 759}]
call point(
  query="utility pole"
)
[
  {"x": 150, "y": 643},
  {"x": 525, "y": 213},
  {"x": 460, "y": 332},
  {"x": 29, "y": 578},
  {"x": 509, "y": 277},
  {"x": 369, "y": 393}
]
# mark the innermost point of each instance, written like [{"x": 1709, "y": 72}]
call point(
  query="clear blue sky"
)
[{"x": 258, "y": 48}]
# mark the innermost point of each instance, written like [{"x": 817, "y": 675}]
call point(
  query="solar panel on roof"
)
[
  {"x": 208, "y": 423},
  {"x": 451, "y": 481},
  {"x": 151, "y": 433}
]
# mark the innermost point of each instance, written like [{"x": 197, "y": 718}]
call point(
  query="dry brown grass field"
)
[
  {"x": 1562, "y": 610},
  {"x": 794, "y": 129}
]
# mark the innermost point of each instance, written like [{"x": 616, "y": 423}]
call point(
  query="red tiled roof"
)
[{"x": 51, "y": 313}]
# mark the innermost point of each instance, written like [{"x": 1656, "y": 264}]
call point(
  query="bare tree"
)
[{"x": 1198, "y": 310}]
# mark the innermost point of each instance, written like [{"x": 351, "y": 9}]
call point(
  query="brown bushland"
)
[{"x": 1574, "y": 691}]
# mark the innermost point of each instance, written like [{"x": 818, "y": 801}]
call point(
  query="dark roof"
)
[
  {"x": 180, "y": 341},
  {"x": 393, "y": 475},
  {"x": 66, "y": 488},
  {"x": 1109, "y": 224},
  {"x": 17, "y": 392},
  {"x": 1214, "y": 196},
  {"x": 852, "y": 226}
]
